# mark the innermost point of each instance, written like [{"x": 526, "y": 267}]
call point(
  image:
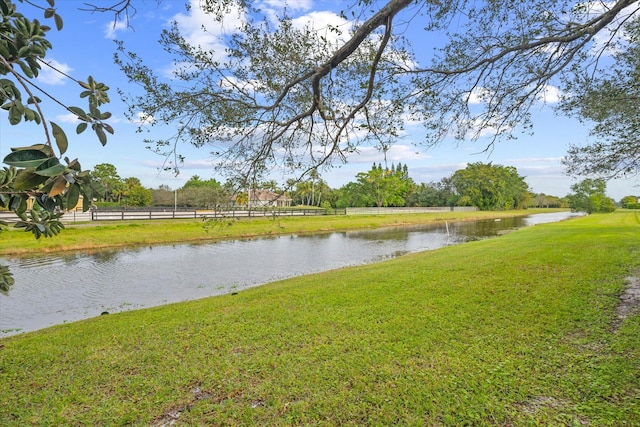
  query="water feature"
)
[{"x": 59, "y": 288}]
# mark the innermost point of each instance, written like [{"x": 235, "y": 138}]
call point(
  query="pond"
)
[{"x": 59, "y": 288}]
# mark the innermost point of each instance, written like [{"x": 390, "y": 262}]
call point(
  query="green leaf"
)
[
  {"x": 48, "y": 13},
  {"x": 79, "y": 112},
  {"x": 25, "y": 158},
  {"x": 18, "y": 203},
  {"x": 108, "y": 128},
  {"x": 47, "y": 203},
  {"x": 44, "y": 148},
  {"x": 30, "y": 114},
  {"x": 27, "y": 179},
  {"x": 73, "y": 164},
  {"x": 26, "y": 69},
  {"x": 51, "y": 167},
  {"x": 81, "y": 128},
  {"x": 58, "y": 20},
  {"x": 86, "y": 203},
  {"x": 4, "y": 7},
  {"x": 61, "y": 138},
  {"x": 101, "y": 135},
  {"x": 73, "y": 195},
  {"x": 15, "y": 115}
]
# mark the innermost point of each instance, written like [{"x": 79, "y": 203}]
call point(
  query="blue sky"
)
[{"x": 86, "y": 45}]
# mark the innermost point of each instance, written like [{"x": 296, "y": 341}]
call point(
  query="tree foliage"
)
[
  {"x": 135, "y": 194},
  {"x": 196, "y": 182},
  {"x": 439, "y": 193},
  {"x": 490, "y": 187},
  {"x": 110, "y": 184},
  {"x": 611, "y": 100},
  {"x": 312, "y": 191},
  {"x": 630, "y": 202},
  {"x": 589, "y": 195},
  {"x": 541, "y": 200},
  {"x": 378, "y": 187},
  {"x": 39, "y": 172},
  {"x": 281, "y": 95}
]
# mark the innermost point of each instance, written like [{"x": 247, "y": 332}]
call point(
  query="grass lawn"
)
[{"x": 519, "y": 330}]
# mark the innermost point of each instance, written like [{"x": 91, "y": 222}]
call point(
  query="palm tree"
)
[{"x": 242, "y": 199}]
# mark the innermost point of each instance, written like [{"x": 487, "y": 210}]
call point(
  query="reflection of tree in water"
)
[
  {"x": 395, "y": 233},
  {"x": 320, "y": 236},
  {"x": 101, "y": 257},
  {"x": 475, "y": 230},
  {"x": 460, "y": 230}
]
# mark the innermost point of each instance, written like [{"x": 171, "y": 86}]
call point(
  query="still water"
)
[{"x": 60, "y": 288}]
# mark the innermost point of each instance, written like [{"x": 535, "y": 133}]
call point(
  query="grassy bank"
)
[
  {"x": 517, "y": 330},
  {"x": 113, "y": 234}
]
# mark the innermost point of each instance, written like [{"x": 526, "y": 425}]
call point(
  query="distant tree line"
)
[{"x": 483, "y": 185}]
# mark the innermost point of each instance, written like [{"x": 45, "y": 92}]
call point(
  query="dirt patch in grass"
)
[
  {"x": 172, "y": 416},
  {"x": 629, "y": 301},
  {"x": 540, "y": 404}
]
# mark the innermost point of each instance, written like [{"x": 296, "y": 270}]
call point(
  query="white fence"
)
[
  {"x": 382, "y": 211},
  {"x": 114, "y": 215}
]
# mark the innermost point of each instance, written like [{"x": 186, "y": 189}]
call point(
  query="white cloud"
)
[
  {"x": 144, "y": 119},
  {"x": 477, "y": 129},
  {"x": 550, "y": 94},
  {"x": 396, "y": 153},
  {"x": 49, "y": 75},
  {"x": 293, "y": 5},
  {"x": 200, "y": 29},
  {"x": 67, "y": 118},
  {"x": 113, "y": 27},
  {"x": 196, "y": 164},
  {"x": 478, "y": 95},
  {"x": 322, "y": 22}
]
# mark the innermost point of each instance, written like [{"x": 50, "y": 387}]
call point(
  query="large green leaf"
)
[
  {"x": 4, "y": 7},
  {"x": 102, "y": 137},
  {"x": 86, "y": 203},
  {"x": 27, "y": 179},
  {"x": 47, "y": 203},
  {"x": 51, "y": 167},
  {"x": 79, "y": 112},
  {"x": 25, "y": 158},
  {"x": 72, "y": 196},
  {"x": 18, "y": 204},
  {"x": 81, "y": 127},
  {"x": 58, "y": 20},
  {"x": 61, "y": 138},
  {"x": 15, "y": 114}
]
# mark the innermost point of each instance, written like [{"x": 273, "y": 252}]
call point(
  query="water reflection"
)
[{"x": 84, "y": 285}]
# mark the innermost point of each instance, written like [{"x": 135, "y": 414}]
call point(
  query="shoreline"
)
[{"x": 89, "y": 237}]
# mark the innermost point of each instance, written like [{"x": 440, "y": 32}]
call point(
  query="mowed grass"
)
[
  {"x": 113, "y": 234},
  {"x": 517, "y": 330}
]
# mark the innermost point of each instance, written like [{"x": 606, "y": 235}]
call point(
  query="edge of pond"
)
[{"x": 393, "y": 221}]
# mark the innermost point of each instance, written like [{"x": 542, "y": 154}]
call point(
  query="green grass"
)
[
  {"x": 517, "y": 330},
  {"x": 112, "y": 234}
]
